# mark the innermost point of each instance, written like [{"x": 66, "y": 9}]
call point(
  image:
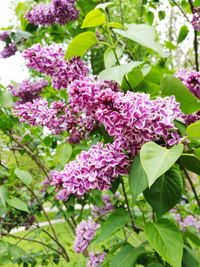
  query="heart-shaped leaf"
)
[
  {"x": 165, "y": 237},
  {"x": 156, "y": 159}
]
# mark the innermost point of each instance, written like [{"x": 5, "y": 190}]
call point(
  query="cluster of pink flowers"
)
[
  {"x": 96, "y": 168},
  {"x": 85, "y": 232},
  {"x": 192, "y": 81},
  {"x": 134, "y": 119},
  {"x": 50, "y": 61},
  {"x": 188, "y": 221},
  {"x": 4, "y": 35},
  {"x": 196, "y": 19},
  {"x": 107, "y": 207},
  {"x": 8, "y": 51},
  {"x": 95, "y": 259},
  {"x": 27, "y": 90},
  {"x": 58, "y": 11},
  {"x": 37, "y": 112}
]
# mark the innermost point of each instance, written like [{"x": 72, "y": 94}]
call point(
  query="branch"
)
[
  {"x": 182, "y": 11},
  {"x": 192, "y": 187},
  {"x": 137, "y": 230}
]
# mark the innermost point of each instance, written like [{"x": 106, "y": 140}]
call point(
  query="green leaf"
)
[
  {"x": 115, "y": 25},
  {"x": 3, "y": 195},
  {"x": 63, "y": 153},
  {"x": 109, "y": 57},
  {"x": 156, "y": 159},
  {"x": 155, "y": 264},
  {"x": 143, "y": 34},
  {"x": 194, "y": 237},
  {"x": 24, "y": 176},
  {"x": 6, "y": 99},
  {"x": 190, "y": 162},
  {"x": 164, "y": 236},
  {"x": 161, "y": 15},
  {"x": 18, "y": 204},
  {"x": 165, "y": 193},
  {"x": 193, "y": 131},
  {"x": 138, "y": 180},
  {"x": 94, "y": 18},
  {"x": 173, "y": 86},
  {"x": 80, "y": 44},
  {"x": 182, "y": 34},
  {"x": 127, "y": 256},
  {"x": 135, "y": 77},
  {"x": 117, "y": 73},
  {"x": 190, "y": 259},
  {"x": 15, "y": 251},
  {"x": 115, "y": 221},
  {"x": 104, "y": 5}
]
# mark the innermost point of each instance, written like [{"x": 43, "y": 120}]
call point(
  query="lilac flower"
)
[
  {"x": 189, "y": 220},
  {"x": 8, "y": 51},
  {"x": 108, "y": 206},
  {"x": 41, "y": 15},
  {"x": 134, "y": 119},
  {"x": 37, "y": 112},
  {"x": 95, "y": 259},
  {"x": 4, "y": 35},
  {"x": 58, "y": 11},
  {"x": 85, "y": 232},
  {"x": 196, "y": 19},
  {"x": 64, "y": 11},
  {"x": 28, "y": 90},
  {"x": 191, "y": 80},
  {"x": 92, "y": 169},
  {"x": 50, "y": 61}
]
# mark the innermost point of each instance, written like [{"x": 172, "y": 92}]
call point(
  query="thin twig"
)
[
  {"x": 121, "y": 12},
  {"x": 182, "y": 11},
  {"x": 128, "y": 208},
  {"x": 192, "y": 187}
]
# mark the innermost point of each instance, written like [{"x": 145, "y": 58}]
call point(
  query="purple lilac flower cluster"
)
[
  {"x": 95, "y": 259},
  {"x": 187, "y": 221},
  {"x": 58, "y": 11},
  {"x": 196, "y": 19},
  {"x": 37, "y": 112},
  {"x": 192, "y": 81},
  {"x": 27, "y": 90},
  {"x": 134, "y": 119},
  {"x": 96, "y": 168},
  {"x": 8, "y": 51},
  {"x": 108, "y": 206},
  {"x": 50, "y": 61},
  {"x": 85, "y": 232},
  {"x": 4, "y": 35}
]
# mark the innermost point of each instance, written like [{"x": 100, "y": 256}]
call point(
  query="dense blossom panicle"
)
[
  {"x": 58, "y": 11},
  {"x": 37, "y": 113},
  {"x": 196, "y": 19},
  {"x": 95, "y": 259},
  {"x": 50, "y": 61},
  {"x": 64, "y": 11},
  {"x": 108, "y": 206},
  {"x": 41, "y": 15},
  {"x": 96, "y": 168},
  {"x": 28, "y": 90},
  {"x": 134, "y": 119},
  {"x": 4, "y": 35},
  {"x": 84, "y": 91},
  {"x": 189, "y": 220},
  {"x": 8, "y": 51},
  {"x": 85, "y": 232},
  {"x": 191, "y": 79}
]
